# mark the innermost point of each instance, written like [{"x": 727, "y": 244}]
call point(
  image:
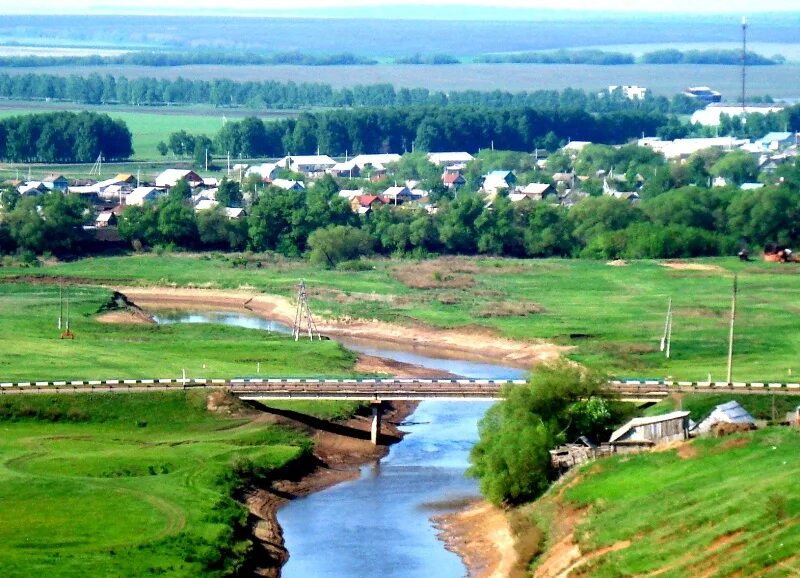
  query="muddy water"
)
[{"x": 378, "y": 526}]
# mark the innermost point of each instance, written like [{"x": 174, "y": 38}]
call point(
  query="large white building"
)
[{"x": 710, "y": 115}]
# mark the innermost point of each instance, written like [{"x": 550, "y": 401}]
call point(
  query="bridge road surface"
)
[{"x": 379, "y": 389}]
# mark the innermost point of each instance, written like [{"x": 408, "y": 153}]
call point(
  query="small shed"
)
[
  {"x": 642, "y": 433},
  {"x": 570, "y": 455},
  {"x": 730, "y": 412}
]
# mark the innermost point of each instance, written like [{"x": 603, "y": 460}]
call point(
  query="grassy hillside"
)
[
  {"x": 613, "y": 316},
  {"x": 30, "y": 348},
  {"x": 717, "y": 507},
  {"x": 112, "y": 485}
]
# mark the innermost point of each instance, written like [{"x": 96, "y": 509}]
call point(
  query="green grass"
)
[
  {"x": 30, "y": 348},
  {"x": 111, "y": 485},
  {"x": 726, "y": 508},
  {"x": 612, "y": 316},
  {"x": 699, "y": 405}
]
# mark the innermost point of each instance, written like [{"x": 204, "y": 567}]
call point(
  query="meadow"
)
[
  {"x": 714, "y": 507},
  {"x": 30, "y": 347},
  {"x": 612, "y": 316},
  {"x": 130, "y": 485}
]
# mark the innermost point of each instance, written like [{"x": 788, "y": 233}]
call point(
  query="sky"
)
[{"x": 269, "y": 7}]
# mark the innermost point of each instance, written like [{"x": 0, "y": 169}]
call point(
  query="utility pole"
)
[
  {"x": 730, "y": 335},
  {"x": 666, "y": 324}
]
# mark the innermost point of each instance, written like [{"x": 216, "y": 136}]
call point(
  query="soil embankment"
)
[
  {"x": 339, "y": 449},
  {"x": 476, "y": 343}
]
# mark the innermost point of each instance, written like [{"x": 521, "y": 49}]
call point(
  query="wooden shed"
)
[{"x": 642, "y": 433}]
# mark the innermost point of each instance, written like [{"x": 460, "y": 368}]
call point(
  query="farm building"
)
[
  {"x": 642, "y": 433},
  {"x": 449, "y": 159},
  {"x": 730, "y": 412}
]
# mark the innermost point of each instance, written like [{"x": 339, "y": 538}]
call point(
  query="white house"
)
[
  {"x": 449, "y": 159},
  {"x": 170, "y": 177},
  {"x": 265, "y": 170},
  {"x": 631, "y": 92},
  {"x": 363, "y": 161},
  {"x": 289, "y": 185},
  {"x": 681, "y": 148},
  {"x": 397, "y": 195},
  {"x": 307, "y": 164},
  {"x": 142, "y": 195}
]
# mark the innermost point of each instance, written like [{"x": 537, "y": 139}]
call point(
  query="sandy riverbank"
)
[
  {"x": 481, "y": 535},
  {"x": 475, "y": 343}
]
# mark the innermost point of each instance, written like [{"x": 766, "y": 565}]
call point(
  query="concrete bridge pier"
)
[{"x": 377, "y": 411}]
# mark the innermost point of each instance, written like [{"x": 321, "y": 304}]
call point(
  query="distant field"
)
[
  {"x": 777, "y": 81},
  {"x": 150, "y": 126},
  {"x": 613, "y": 316}
]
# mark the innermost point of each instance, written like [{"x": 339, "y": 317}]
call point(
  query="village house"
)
[
  {"x": 347, "y": 169},
  {"x": 142, "y": 195},
  {"x": 105, "y": 219},
  {"x": 55, "y": 182},
  {"x": 450, "y": 159},
  {"x": 288, "y": 185},
  {"x": 777, "y": 141},
  {"x": 266, "y": 171},
  {"x": 170, "y": 177},
  {"x": 532, "y": 191},
  {"x": 397, "y": 195},
  {"x": 349, "y": 194},
  {"x": 497, "y": 180},
  {"x": 310, "y": 165},
  {"x": 364, "y": 204},
  {"x": 453, "y": 180},
  {"x": 642, "y": 433},
  {"x": 32, "y": 189}
]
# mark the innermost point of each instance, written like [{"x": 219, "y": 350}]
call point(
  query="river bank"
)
[
  {"x": 476, "y": 343},
  {"x": 340, "y": 449}
]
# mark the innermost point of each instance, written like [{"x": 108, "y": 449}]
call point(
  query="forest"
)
[{"x": 63, "y": 137}]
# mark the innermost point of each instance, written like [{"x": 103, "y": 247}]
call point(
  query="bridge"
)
[{"x": 377, "y": 390}]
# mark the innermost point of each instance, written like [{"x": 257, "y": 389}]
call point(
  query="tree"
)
[
  {"x": 162, "y": 148},
  {"x": 176, "y": 222},
  {"x": 229, "y": 194},
  {"x": 336, "y": 243},
  {"x": 736, "y": 167},
  {"x": 216, "y": 231},
  {"x": 181, "y": 190},
  {"x": 561, "y": 402}
]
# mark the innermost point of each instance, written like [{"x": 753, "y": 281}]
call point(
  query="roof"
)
[
  {"x": 234, "y": 212},
  {"x": 776, "y": 136},
  {"x": 367, "y": 200},
  {"x": 172, "y": 176},
  {"x": 105, "y": 217},
  {"x": 450, "y": 157},
  {"x": 396, "y": 192},
  {"x": 640, "y": 421},
  {"x": 52, "y": 177},
  {"x": 377, "y": 159},
  {"x": 322, "y": 160},
  {"x": 730, "y": 412},
  {"x": 536, "y": 188},
  {"x": 451, "y": 178},
  {"x": 138, "y": 195},
  {"x": 288, "y": 185},
  {"x": 205, "y": 205}
]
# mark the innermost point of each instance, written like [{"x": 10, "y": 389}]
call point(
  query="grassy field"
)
[
  {"x": 717, "y": 507},
  {"x": 30, "y": 347},
  {"x": 613, "y": 316},
  {"x": 112, "y": 485}
]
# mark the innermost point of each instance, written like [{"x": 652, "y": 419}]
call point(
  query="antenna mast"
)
[
  {"x": 303, "y": 321},
  {"x": 744, "y": 65}
]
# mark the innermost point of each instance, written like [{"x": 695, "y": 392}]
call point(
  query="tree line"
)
[
  {"x": 427, "y": 128},
  {"x": 109, "y": 89},
  {"x": 63, "y": 137},
  {"x": 606, "y": 58},
  {"x": 233, "y": 58}
]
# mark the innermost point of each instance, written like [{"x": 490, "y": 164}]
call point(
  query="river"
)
[{"x": 379, "y": 524}]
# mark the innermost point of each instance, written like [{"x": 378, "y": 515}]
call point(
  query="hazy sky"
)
[{"x": 264, "y": 7}]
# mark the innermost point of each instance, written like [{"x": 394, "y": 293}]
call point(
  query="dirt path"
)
[
  {"x": 481, "y": 535},
  {"x": 475, "y": 342}
]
